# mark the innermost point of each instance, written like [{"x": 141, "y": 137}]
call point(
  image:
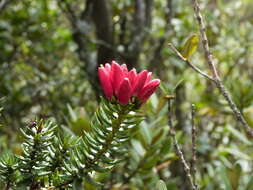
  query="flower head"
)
[{"x": 126, "y": 86}]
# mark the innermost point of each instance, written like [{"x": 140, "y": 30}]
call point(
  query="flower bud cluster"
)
[{"x": 126, "y": 86}]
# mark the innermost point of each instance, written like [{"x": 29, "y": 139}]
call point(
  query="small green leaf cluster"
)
[
  {"x": 53, "y": 159},
  {"x": 101, "y": 148},
  {"x": 8, "y": 169},
  {"x": 34, "y": 163}
]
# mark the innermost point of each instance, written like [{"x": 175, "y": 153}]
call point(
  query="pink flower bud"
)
[
  {"x": 132, "y": 76},
  {"x": 139, "y": 82},
  {"x": 105, "y": 81},
  {"x": 149, "y": 76},
  {"x": 117, "y": 81},
  {"x": 124, "y": 93},
  {"x": 117, "y": 76},
  {"x": 148, "y": 90}
]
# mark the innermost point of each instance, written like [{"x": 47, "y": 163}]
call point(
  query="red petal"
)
[
  {"x": 117, "y": 76},
  {"x": 148, "y": 90},
  {"x": 132, "y": 76},
  {"x": 105, "y": 82},
  {"x": 124, "y": 91},
  {"x": 148, "y": 77},
  {"x": 139, "y": 82}
]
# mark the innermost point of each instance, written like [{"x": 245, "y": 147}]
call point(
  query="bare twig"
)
[
  {"x": 213, "y": 69},
  {"x": 205, "y": 43},
  {"x": 177, "y": 147},
  {"x": 190, "y": 64},
  {"x": 194, "y": 148}
]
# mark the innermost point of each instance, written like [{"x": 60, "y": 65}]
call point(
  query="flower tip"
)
[
  {"x": 156, "y": 82},
  {"x": 115, "y": 63},
  {"x": 148, "y": 90},
  {"x": 105, "y": 82}
]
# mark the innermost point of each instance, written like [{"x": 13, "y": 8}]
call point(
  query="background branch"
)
[
  {"x": 80, "y": 27},
  {"x": 194, "y": 148},
  {"x": 102, "y": 17},
  {"x": 141, "y": 23},
  {"x": 3, "y": 4},
  {"x": 213, "y": 69},
  {"x": 177, "y": 147},
  {"x": 189, "y": 63}
]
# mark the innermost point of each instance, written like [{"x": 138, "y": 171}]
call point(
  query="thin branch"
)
[
  {"x": 190, "y": 64},
  {"x": 205, "y": 43},
  {"x": 3, "y": 4},
  {"x": 194, "y": 148},
  {"x": 213, "y": 69},
  {"x": 177, "y": 147}
]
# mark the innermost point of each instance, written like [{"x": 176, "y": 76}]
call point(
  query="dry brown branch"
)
[
  {"x": 194, "y": 147},
  {"x": 213, "y": 69},
  {"x": 222, "y": 90},
  {"x": 177, "y": 147},
  {"x": 216, "y": 78},
  {"x": 190, "y": 64}
]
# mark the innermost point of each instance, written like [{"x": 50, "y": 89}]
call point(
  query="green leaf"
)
[
  {"x": 91, "y": 181},
  {"x": 236, "y": 152},
  {"x": 249, "y": 185},
  {"x": 161, "y": 185},
  {"x": 234, "y": 175},
  {"x": 146, "y": 133},
  {"x": 225, "y": 179},
  {"x": 190, "y": 46},
  {"x": 138, "y": 147},
  {"x": 72, "y": 113},
  {"x": 238, "y": 135}
]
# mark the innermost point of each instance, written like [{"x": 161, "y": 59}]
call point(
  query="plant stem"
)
[
  {"x": 194, "y": 148},
  {"x": 115, "y": 127},
  {"x": 177, "y": 147}
]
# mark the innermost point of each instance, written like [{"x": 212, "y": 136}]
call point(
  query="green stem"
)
[{"x": 115, "y": 128}]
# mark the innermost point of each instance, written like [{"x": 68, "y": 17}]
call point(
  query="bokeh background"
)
[{"x": 49, "y": 54}]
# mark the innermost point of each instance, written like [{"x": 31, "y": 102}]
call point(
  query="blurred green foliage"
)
[{"x": 42, "y": 76}]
